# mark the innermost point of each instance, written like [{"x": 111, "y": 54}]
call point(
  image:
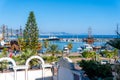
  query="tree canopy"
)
[{"x": 31, "y": 32}]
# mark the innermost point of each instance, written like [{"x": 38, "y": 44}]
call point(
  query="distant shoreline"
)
[{"x": 78, "y": 36}]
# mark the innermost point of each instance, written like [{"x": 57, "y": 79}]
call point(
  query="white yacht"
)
[
  {"x": 52, "y": 38},
  {"x": 85, "y": 47}
]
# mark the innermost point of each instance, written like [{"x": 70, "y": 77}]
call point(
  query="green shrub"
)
[
  {"x": 88, "y": 54},
  {"x": 74, "y": 57},
  {"x": 3, "y": 65},
  {"x": 96, "y": 70}
]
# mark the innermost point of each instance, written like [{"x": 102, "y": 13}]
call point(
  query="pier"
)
[{"x": 79, "y": 39}]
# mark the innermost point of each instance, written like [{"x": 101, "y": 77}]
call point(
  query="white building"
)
[{"x": 68, "y": 71}]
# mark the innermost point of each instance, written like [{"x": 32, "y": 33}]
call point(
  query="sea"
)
[
  {"x": 81, "y": 36},
  {"x": 77, "y": 44}
]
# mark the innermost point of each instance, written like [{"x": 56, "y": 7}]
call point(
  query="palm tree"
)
[
  {"x": 39, "y": 46},
  {"x": 27, "y": 54},
  {"x": 53, "y": 49},
  {"x": 23, "y": 56},
  {"x": 46, "y": 44},
  {"x": 87, "y": 54},
  {"x": 21, "y": 59},
  {"x": 70, "y": 46}
]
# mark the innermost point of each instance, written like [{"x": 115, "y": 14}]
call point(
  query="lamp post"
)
[
  {"x": 63, "y": 51},
  {"x": 97, "y": 52}
]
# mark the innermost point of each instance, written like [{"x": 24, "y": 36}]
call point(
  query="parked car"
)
[{"x": 104, "y": 61}]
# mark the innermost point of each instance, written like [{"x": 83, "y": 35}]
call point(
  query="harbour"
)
[{"x": 77, "y": 40}]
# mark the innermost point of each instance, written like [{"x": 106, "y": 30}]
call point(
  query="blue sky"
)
[{"x": 72, "y": 16}]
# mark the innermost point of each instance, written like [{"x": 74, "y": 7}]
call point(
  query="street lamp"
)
[{"x": 97, "y": 53}]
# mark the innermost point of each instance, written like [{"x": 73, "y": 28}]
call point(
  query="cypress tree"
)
[{"x": 31, "y": 33}]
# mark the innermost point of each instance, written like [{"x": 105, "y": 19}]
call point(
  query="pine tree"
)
[{"x": 31, "y": 33}]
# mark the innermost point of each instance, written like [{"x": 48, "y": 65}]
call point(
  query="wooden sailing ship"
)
[{"x": 89, "y": 39}]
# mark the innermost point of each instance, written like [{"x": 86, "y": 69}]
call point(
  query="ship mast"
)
[
  {"x": 89, "y": 32},
  {"x": 3, "y": 32},
  {"x": 7, "y": 33},
  {"x": 90, "y": 39},
  {"x": 11, "y": 31},
  {"x": 21, "y": 33},
  {"x": 17, "y": 33}
]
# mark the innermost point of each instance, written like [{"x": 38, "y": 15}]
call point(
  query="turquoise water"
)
[{"x": 75, "y": 44}]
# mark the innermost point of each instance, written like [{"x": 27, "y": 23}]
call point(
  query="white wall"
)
[
  {"x": 65, "y": 74},
  {"x": 32, "y": 75}
]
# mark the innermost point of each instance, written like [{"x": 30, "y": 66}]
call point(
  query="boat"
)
[
  {"x": 53, "y": 38},
  {"x": 85, "y": 47},
  {"x": 65, "y": 49}
]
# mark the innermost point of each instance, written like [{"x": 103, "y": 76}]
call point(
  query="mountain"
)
[{"x": 54, "y": 33}]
